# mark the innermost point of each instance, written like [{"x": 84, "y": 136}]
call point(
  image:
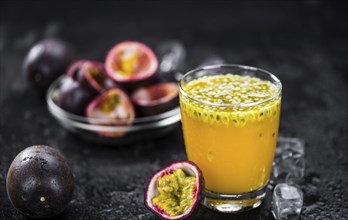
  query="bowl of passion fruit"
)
[{"x": 104, "y": 131}]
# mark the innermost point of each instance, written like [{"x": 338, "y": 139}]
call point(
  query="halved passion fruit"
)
[
  {"x": 157, "y": 98},
  {"x": 131, "y": 63},
  {"x": 112, "y": 107},
  {"x": 175, "y": 191},
  {"x": 90, "y": 75}
]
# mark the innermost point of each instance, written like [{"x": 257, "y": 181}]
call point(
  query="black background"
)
[{"x": 304, "y": 43}]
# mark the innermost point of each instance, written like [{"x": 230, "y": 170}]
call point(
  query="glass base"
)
[{"x": 234, "y": 203}]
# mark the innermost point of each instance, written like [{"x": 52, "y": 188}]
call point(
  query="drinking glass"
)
[{"x": 233, "y": 143}]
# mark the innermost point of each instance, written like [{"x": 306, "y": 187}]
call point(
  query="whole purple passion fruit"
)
[
  {"x": 111, "y": 108},
  {"x": 156, "y": 98},
  {"x": 175, "y": 191},
  {"x": 45, "y": 61},
  {"x": 90, "y": 75},
  {"x": 72, "y": 97},
  {"x": 40, "y": 182},
  {"x": 131, "y": 63}
]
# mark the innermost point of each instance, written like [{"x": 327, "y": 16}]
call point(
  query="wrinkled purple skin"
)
[
  {"x": 36, "y": 172},
  {"x": 72, "y": 97},
  {"x": 46, "y": 61}
]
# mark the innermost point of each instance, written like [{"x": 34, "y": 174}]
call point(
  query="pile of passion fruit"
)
[
  {"x": 126, "y": 86},
  {"x": 40, "y": 182}
]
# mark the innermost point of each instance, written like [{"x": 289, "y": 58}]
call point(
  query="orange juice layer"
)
[{"x": 234, "y": 147}]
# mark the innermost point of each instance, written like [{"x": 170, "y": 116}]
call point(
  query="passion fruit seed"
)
[
  {"x": 110, "y": 102},
  {"x": 230, "y": 90},
  {"x": 176, "y": 193}
]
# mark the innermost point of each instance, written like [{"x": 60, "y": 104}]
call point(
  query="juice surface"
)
[{"x": 233, "y": 146}]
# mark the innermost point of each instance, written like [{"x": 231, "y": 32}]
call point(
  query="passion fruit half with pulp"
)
[
  {"x": 156, "y": 99},
  {"x": 90, "y": 75},
  {"x": 40, "y": 182},
  {"x": 131, "y": 63},
  {"x": 111, "y": 108},
  {"x": 175, "y": 191}
]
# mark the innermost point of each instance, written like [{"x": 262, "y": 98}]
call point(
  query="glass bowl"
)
[{"x": 142, "y": 128}]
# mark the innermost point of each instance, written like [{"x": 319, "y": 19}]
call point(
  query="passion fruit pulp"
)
[
  {"x": 40, "y": 182},
  {"x": 131, "y": 63},
  {"x": 175, "y": 192},
  {"x": 156, "y": 99},
  {"x": 113, "y": 107}
]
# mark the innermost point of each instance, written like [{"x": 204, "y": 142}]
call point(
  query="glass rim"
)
[{"x": 277, "y": 83}]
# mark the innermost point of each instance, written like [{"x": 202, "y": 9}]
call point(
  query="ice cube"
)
[
  {"x": 290, "y": 170},
  {"x": 289, "y": 147},
  {"x": 287, "y": 201},
  {"x": 289, "y": 160}
]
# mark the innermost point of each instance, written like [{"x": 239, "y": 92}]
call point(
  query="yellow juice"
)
[{"x": 230, "y": 130}]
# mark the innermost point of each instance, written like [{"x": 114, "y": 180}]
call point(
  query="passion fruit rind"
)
[
  {"x": 90, "y": 75},
  {"x": 93, "y": 75},
  {"x": 175, "y": 191},
  {"x": 131, "y": 64},
  {"x": 112, "y": 107},
  {"x": 156, "y": 99},
  {"x": 237, "y": 117}
]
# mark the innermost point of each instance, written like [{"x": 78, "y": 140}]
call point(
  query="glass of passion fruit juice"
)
[{"x": 230, "y": 120}]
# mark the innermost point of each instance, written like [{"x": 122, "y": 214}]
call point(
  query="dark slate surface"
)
[{"x": 303, "y": 43}]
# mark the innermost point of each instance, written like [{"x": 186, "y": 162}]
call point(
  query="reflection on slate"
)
[{"x": 303, "y": 43}]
